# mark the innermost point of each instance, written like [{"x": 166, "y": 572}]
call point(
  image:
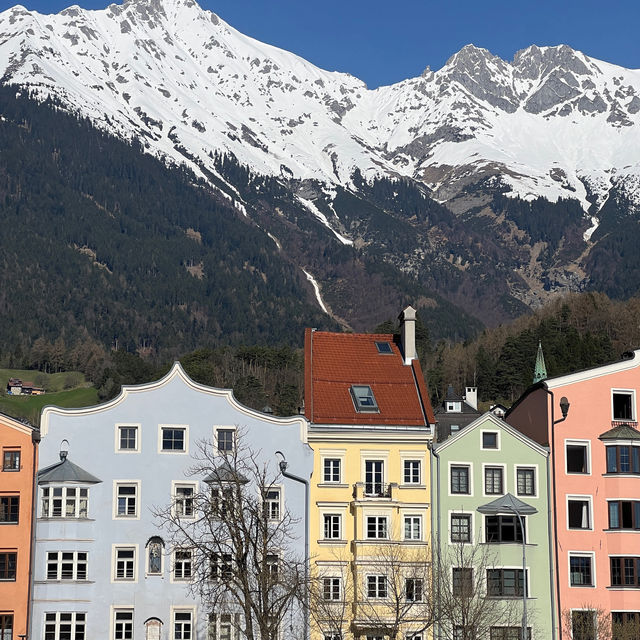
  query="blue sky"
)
[{"x": 383, "y": 42}]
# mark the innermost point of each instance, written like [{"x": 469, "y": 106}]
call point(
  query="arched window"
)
[
  {"x": 153, "y": 629},
  {"x": 155, "y": 555}
]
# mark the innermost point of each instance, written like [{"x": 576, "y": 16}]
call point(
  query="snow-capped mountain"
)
[{"x": 553, "y": 122}]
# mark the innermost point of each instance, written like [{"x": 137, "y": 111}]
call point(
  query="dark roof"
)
[
  {"x": 621, "y": 432},
  {"x": 225, "y": 473},
  {"x": 452, "y": 396},
  {"x": 508, "y": 504},
  {"x": 66, "y": 471}
]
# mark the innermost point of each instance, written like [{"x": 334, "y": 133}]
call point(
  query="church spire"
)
[{"x": 540, "y": 372}]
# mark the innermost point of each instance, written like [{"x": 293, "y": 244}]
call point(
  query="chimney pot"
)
[{"x": 408, "y": 334}]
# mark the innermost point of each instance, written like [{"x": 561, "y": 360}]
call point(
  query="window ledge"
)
[
  {"x": 582, "y": 586},
  {"x": 619, "y": 587},
  {"x": 330, "y": 541},
  {"x": 410, "y": 485},
  {"x": 64, "y": 581},
  {"x": 63, "y": 519},
  {"x": 621, "y": 530},
  {"x": 332, "y": 485},
  {"x": 621, "y": 475}
]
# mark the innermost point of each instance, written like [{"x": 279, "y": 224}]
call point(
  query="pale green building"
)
[{"x": 490, "y": 482}]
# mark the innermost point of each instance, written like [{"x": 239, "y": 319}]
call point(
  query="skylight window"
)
[
  {"x": 363, "y": 398},
  {"x": 384, "y": 348}
]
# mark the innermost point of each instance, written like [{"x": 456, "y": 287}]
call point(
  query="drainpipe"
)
[
  {"x": 283, "y": 464},
  {"x": 434, "y": 454},
  {"x": 552, "y": 545},
  {"x": 35, "y": 440}
]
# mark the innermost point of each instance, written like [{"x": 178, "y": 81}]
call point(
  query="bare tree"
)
[
  {"x": 237, "y": 539},
  {"x": 592, "y": 622},
  {"x": 465, "y": 612}
]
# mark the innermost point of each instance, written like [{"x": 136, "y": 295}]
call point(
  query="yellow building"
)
[{"x": 370, "y": 423}]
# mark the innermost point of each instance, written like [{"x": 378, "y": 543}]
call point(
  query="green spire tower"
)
[{"x": 540, "y": 372}]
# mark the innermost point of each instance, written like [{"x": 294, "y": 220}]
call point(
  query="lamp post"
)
[
  {"x": 283, "y": 464},
  {"x": 519, "y": 508}
]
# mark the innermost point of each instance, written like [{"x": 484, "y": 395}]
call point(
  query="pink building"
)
[{"x": 595, "y": 461}]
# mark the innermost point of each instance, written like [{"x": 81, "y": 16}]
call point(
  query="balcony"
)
[{"x": 374, "y": 490}]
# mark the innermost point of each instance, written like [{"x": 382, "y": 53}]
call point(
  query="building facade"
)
[
  {"x": 371, "y": 423},
  {"x": 19, "y": 444},
  {"x": 489, "y": 484},
  {"x": 590, "y": 421},
  {"x": 104, "y": 566}
]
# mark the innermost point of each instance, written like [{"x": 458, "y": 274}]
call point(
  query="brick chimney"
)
[{"x": 408, "y": 334}]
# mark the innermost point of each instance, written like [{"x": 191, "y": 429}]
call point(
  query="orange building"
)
[{"x": 18, "y": 442}]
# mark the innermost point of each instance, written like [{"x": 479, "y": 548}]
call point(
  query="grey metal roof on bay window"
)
[
  {"x": 225, "y": 473},
  {"x": 508, "y": 504},
  {"x": 66, "y": 471}
]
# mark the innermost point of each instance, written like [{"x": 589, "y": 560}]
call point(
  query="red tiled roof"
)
[{"x": 336, "y": 361}]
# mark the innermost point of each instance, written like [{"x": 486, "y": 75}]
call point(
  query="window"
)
[
  {"x": 460, "y": 527},
  {"x": 624, "y": 514},
  {"x": 272, "y": 504},
  {"x": 508, "y": 633},
  {"x": 526, "y": 482},
  {"x": 413, "y": 527},
  {"x": 363, "y": 398},
  {"x": 125, "y": 561},
  {"x": 377, "y": 527},
  {"x": 625, "y": 572},
  {"x": 8, "y": 564},
  {"x": 413, "y": 589},
  {"x": 625, "y": 625},
  {"x": 182, "y": 564},
  {"x": 461, "y": 632},
  {"x": 9, "y": 509},
  {"x": 376, "y": 586},
  {"x": 182, "y": 625},
  {"x": 65, "y": 502},
  {"x": 225, "y": 439},
  {"x": 580, "y": 570},
  {"x": 332, "y": 526},
  {"x": 411, "y": 472},
  {"x": 153, "y": 629},
  {"x": 222, "y": 501},
  {"x": 6, "y": 626},
  {"x": 155, "y": 552},
  {"x": 460, "y": 480},
  {"x": 173, "y": 439},
  {"x": 623, "y": 405},
  {"x": 123, "y": 624},
  {"x": 331, "y": 470},
  {"x": 384, "y": 347},
  {"x": 221, "y": 566},
  {"x": 66, "y": 565},
  {"x": 11, "y": 460},
  {"x": 578, "y": 513},
  {"x": 462, "y": 581},
  {"x": 331, "y": 588},
  {"x": 577, "y": 458},
  {"x": 183, "y": 503},
  {"x": 126, "y": 500},
  {"x": 503, "y": 528},
  {"x": 489, "y": 440},
  {"x": 272, "y": 562},
  {"x": 223, "y": 626},
  {"x": 63, "y": 625},
  {"x": 127, "y": 438},
  {"x": 505, "y": 583},
  {"x": 374, "y": 478},
  {"x": 623, "y": 459},
  {"x": 583, "y": 625},
  {"x": 493, "y": 481}
]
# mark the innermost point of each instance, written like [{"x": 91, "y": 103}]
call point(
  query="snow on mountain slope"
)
[{"x": 553, "y": 122}]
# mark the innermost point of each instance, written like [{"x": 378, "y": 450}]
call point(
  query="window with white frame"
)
[
  {"x": 126, "y": 500},
  {"x": 127, "y": 438},
  {"x": 489, "y": 440},
  {"x": 577, "y": 457},
  {"x": 183, "y": 501},
  {"x": 377, "y": 527},
  {"x": 413, "y": 527},
  {"x": 460, "y": 527},
  {"x": 374, "y": 478},
  {"x": 581, "y": 570},
  {"x": 221, "y": 566},
  {"x": 122, "y": 624},
  {"x": 272, "y": 561},
  {"x": 125, "y": 564},
  {"x": 578, "y": 512},
  {"x": 272, "y": 503},
  {"x": 223, "y": 626},
  {"x": 63, "y": 625},
  {"x": 225, "y": 440},
  {"x": 6, "y": 626},
  {"x": 622, "y": 402},
  {"x": 173, "y": 439},
  {"x": 332, "y": 526},
  {"x": 526, "y": 481},
  {"x": 9, "y": 509},
  {"x": 493, "y": 480},
  {"x": 183, "y": 625},
  {"x": 411, "y": 472},
  {"x": 8, "y": 566},
  {"x": 460, "y": 479},
  {"x": 377, "y": 586},
  {"x": 66, "y": 565},
  {"x": 331, "y": 588},
  {"x": 11, "y": 460},
  {"x": 65, "y": 502},
  {"x": 182, "y": 564},
  {"x": 331, "y": 468},
  {"x": 413, "y": 589}
]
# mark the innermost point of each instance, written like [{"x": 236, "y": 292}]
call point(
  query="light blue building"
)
[{"x": 102, "y": 566}]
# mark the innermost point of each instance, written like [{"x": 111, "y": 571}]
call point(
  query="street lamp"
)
[
  {"x": 510, "y": 503},
  {"x": 283, "y": 464}
]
